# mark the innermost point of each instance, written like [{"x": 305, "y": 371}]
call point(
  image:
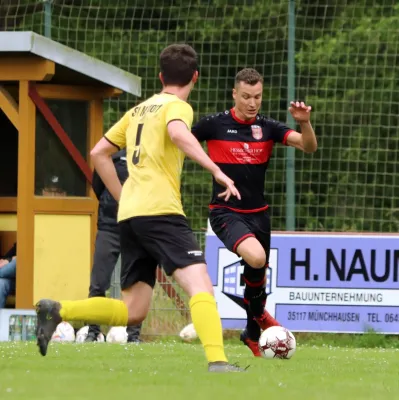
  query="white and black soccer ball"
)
[
  {"x": 277, "y": 342},
  {"x": 64, "y": 333},
  {"x": 82, "y": 333},
  {"x": 117, "y": 334},
  {"x": 188, "y": 333}
]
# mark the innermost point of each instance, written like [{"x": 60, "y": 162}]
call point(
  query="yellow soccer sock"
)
[
  {"x": 95, "y": 310},
  {"x": 208, "y": 326}
]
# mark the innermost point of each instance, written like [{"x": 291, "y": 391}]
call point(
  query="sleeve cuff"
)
[
  {"x": 284, "y": 142},
  {"x": 178, "y": 119},
  {"x": 113, "y": 144}
]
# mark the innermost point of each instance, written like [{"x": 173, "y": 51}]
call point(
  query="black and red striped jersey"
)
[{"x": 242, "y": 150}]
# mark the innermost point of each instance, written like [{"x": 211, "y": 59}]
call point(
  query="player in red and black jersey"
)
[{"x": 240, "y": 141}]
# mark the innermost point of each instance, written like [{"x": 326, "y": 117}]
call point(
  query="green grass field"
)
[{"x": 173, "y": 370}]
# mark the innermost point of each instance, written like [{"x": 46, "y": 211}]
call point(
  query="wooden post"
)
[
  {"x": 95, "y": 134},
  {"x": 26, "y": 188}
]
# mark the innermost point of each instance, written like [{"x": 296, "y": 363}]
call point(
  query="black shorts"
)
[
  {"x": 232, "y": 228},
  {"x": 147, "y": 242}
]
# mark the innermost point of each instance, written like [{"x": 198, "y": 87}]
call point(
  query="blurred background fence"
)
[{"x": 340, "y": 56}]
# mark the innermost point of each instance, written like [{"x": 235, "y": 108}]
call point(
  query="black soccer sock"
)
[
  {"x": 252, "y": 327},
  {"x": 255, "y": 289}
]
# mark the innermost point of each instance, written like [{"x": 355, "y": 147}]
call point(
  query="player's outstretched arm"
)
[
  {"x": 306, "y": 140},
  {"x": 187, "y": 143},
  {"x": 103, "y": 164}
]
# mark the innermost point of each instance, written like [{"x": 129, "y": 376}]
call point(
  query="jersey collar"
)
[{"x": 240, "y": 121}]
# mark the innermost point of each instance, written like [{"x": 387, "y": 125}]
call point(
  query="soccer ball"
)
[
  {"x": 117, "y": 334},
  {"x": 64, "y": 333},
  {"x": 188, "y": 333},
  {"x": 81, "y": 335},
  {"x": 277, "y": 342}
]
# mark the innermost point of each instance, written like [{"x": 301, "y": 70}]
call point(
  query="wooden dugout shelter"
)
[{"x": 51, "y": 102}]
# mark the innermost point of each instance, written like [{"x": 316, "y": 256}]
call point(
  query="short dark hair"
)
[
  {"x": 249, "y": 76},
  {"x": 178, "y": 63}
]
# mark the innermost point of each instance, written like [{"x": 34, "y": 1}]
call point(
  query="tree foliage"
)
[{"x": 346, "y": 68}]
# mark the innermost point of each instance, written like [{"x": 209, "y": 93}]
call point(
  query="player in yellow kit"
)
[{"x": 153, "y": 228}]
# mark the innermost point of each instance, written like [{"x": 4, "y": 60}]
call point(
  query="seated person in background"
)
[{"x": 8, "y": 268}]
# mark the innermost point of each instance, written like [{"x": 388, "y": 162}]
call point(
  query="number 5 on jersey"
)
[{"x": 136, "y": 154}]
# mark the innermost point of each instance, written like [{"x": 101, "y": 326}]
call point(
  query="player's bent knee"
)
[
  {"x": 252, "y": 252},
  {"x": 258, "y": 260},
  {"x": 194, "y": 279}
]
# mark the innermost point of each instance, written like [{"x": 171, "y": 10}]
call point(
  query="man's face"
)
[{"x": 248, "y": 99}]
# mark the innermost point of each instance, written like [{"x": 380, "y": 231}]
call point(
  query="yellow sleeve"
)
[
  {"x": 181, "y": 111},
  {"x": 117, "y": 133}
]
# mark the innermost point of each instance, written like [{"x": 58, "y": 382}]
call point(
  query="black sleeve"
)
[
  {"x": 203, "y": 129},
  {"x": 97, "y": 185},
  {"x": 280, "y": 131}
]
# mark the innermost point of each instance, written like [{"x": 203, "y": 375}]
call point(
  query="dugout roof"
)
[{"x": 72, "y": 66}]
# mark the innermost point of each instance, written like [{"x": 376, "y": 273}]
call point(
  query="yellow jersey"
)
[{"x": 154, "y": 162}]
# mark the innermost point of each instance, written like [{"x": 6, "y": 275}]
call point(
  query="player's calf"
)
[
  {"x": 195, "y": 281},
  {"x": 255, "y": 289},
  {"x": 255, "y": 293}
]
